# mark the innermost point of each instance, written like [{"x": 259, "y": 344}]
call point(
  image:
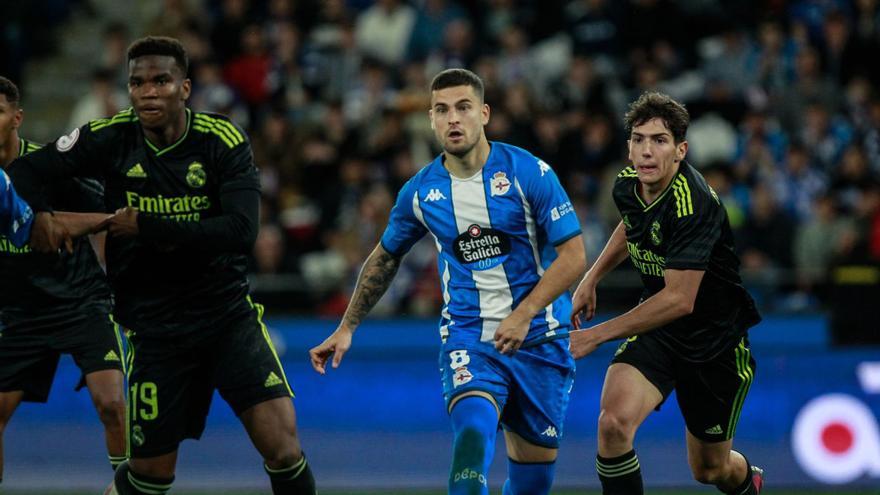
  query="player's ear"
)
[
  {"x": 681, "y": 151},
  {"x": 187, "y": 88},
  {"x": 486, "y": 111}
]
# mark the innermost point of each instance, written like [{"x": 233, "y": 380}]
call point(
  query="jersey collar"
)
[
  {"x": 646, "y": 207},
  {"x": 160, "y": 152}
]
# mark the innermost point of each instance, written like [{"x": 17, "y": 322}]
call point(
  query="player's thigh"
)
[
  {"x": 470, "y": 369},
  {"x": 271, "y": 426},
  {"x": 248, "y": 370},
  {"x": 106, "y": 387},
  {"x": 628, "y": 394},
  {"x": 711, "y": 395},
  {"x": 27, "y": 364},
  {"x": 9, "y": 402},
  {"x": 521, "y": 450},
  {"x": 169, "y": 394},
  {"x": 704, "y": 455},
  {"x": 542, "y": 379},
  {"x": 640, "y": 378},
  {"x": 93, "y": 341}
]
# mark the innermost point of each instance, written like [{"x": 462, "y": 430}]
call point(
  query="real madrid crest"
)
[
  {"x": 196, "y": 175},
  {"x": 656, "y": 235},
  {"x": 499, "y": 184}
]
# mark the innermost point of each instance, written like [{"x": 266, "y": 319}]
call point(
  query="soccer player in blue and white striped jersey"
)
[{"x": 509, "y": 247}]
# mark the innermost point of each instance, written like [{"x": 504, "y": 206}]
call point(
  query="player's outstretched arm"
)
[
  {"x": 674, "y": 301},
  {"x": 375, "y": 278},
  {"x": 583, "y": 303},
  {"x": 558, "y": 278},
  {"x": 80, "y": 224}
]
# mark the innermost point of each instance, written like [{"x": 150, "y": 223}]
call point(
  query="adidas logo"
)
[
  {"x": 272, "y": 380},
  {"x": 715, "y": 430},
  {"x": 136, "y": 172},
  {"x": 549, "y": 432},
  {"x": 434, "y": 195},
  {"x": 111, "y": 356}
]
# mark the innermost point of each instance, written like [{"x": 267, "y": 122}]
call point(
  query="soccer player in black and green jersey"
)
[
  {"x": 187, "y": 194},
  {"x": 56, "y": 303},
  {"x": 689, "y": 333}
]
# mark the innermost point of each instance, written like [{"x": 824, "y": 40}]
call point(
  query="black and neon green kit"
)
[
  {"x": 686, "y": 228},
  {"x": 704, "y": 355},
  {"x": 180, "y": 285},
  {"x": 54, "y": 303}
]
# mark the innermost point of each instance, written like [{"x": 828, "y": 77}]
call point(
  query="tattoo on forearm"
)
[{"x": 375, "y": 277}]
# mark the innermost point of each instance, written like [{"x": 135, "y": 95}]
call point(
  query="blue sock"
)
[
  {"x": 528, "y": 478},
  {"x": 474, "y": 424}
]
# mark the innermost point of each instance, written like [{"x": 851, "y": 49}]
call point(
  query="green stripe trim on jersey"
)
[
  {"x": 684, "y": 204},
  {"x": 25, "y": 147},
  {"x": 231, "y": 130},
  {"x": 222, "y": 129},
  {"x": 160, "y": 152},
  {"x": 121, "y": 117},
  {"x": 628, "y": 172},
  {"x": 746, "y": 374},
  {"x": 260, "y": 311}
]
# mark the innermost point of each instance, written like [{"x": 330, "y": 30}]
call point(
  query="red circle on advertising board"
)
[{"x": 837, "y": 437}]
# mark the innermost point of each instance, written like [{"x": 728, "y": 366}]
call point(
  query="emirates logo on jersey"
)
[{"x": 481, "y": 248}]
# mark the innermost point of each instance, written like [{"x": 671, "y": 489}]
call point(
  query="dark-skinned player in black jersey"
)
[
  {"x": 186, "y": 194},
  {"x": 56, "y": 303},
  {"x": 690, "y": 331}
]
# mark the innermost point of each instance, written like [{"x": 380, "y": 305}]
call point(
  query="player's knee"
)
[
  {"x": 111, "y": 409},
  {"x": 614, "y": 428},
  {"x": 469, "y": 461},
  {"x": 468, "y": 444},
  {"x": 285, "y": 455}
]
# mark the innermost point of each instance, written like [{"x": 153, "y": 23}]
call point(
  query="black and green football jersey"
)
[
  {"x": 49, "y": 288},
  {"x": 187, "y": 277},
  {"x": 686, "y": 228}
]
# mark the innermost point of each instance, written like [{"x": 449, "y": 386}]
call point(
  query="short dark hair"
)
[
  {"x": 9, "y": 90},
  {"x": 653, "y": 105},
  {"x": 160, "y": 45},
  {"x": 458, "y": 77}
]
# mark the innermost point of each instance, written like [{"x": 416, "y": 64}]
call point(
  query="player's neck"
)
[
  {"x": 467, "y": 166},
  {"x": 10, "y": 150},
  {"x": 168, "y": 135},
  {"x": 651, "y": 192}
]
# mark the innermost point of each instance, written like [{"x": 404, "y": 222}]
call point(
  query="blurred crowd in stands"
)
[{"x": 784, "y": 99}]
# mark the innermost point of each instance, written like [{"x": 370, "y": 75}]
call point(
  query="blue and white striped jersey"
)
[
  {"x": 16, "y": 216},
  {"x": 495, "y": 232}
]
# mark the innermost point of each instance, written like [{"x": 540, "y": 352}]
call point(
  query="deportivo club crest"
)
[
  {"x": 499, "y": 184},
  {"x": 195, "y": 175},
  {"x": 656, "y": 235}
]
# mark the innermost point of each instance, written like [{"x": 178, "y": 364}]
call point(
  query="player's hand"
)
[
  {"x": 336, "y": 345},
  {"x": 582, "y": 342},
  {"x": 583, "y": 303},
  {"x": 48, "y": 234},
  {"x": 511, "y": 332},
  {"x": 122, "y": 224}
]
